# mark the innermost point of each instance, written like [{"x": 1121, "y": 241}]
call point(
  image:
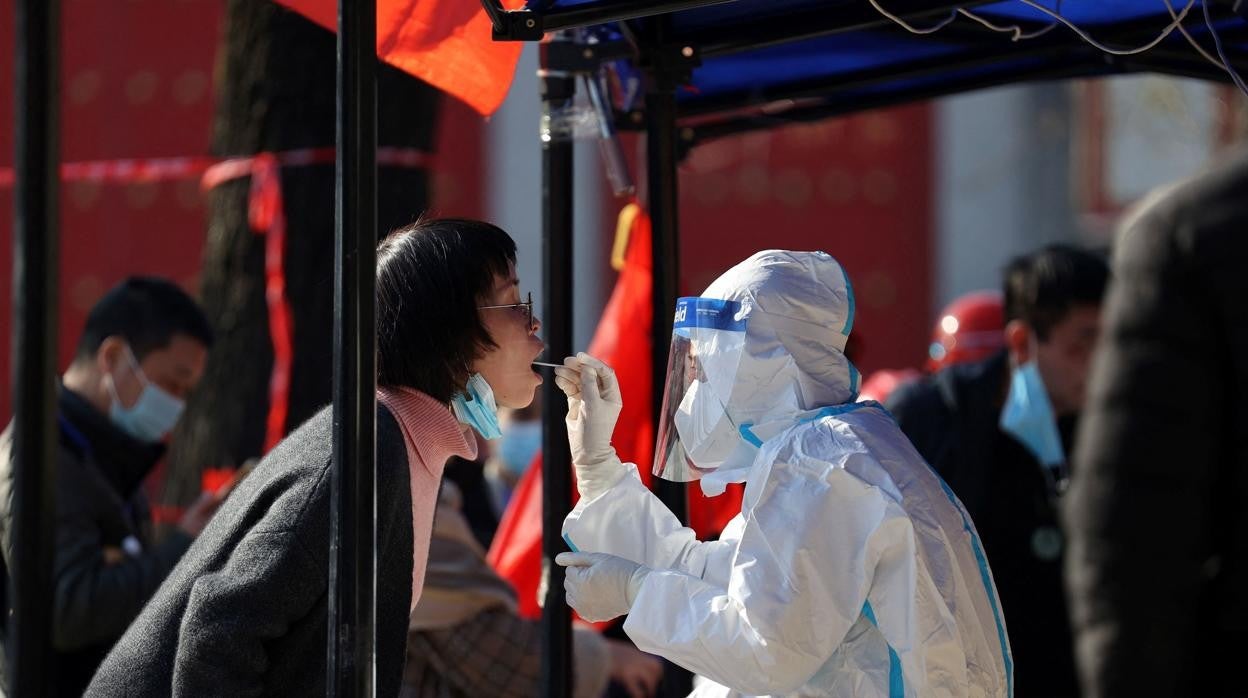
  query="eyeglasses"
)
[{"x": 524, "y": 306}]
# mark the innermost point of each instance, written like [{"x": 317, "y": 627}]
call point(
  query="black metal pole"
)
[
  {"x": 352, "y": 543},
  {"x": 662, "y": 192},
  {"x": 35, "y": 236},
  {"x": 558, "y": 89},
  {"x": 662, "y": 187}
]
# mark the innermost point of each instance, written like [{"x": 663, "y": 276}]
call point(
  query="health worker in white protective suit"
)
[{"x": 852, "y": 569}]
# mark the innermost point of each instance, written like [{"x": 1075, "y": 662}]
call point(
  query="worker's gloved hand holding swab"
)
[{"x": 594, "y": 405}]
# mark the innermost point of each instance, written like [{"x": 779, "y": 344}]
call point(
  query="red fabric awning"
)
[{"x": 446, "y": 43}]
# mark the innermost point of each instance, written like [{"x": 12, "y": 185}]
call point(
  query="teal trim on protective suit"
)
[
  {"x": 835, "y": 410},
  {"x": 982, "y": 560},
  {"x": 849, "y": 291},
  {"x": 896, "y": 680},
  {"x": 749, "y": 437}
]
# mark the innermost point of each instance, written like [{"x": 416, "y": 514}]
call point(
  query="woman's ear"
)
[{"x": 1018, "y": 341}]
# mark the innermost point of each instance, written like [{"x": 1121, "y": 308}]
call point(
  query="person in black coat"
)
[
  {"x": 245, "y": 611},
  {"x": 998, "y": 432},
  {"x": 1158, "y": 563},
  {"x": 141, "y": 353}
]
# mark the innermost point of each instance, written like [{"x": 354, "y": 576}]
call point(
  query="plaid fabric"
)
[{"x": 496, "y": 653}]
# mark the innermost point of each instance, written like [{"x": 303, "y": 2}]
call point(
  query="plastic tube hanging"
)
[{"x": 608, "y": 139}]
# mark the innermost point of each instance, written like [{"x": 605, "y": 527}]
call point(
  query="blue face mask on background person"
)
[
  {"x": 152, "y": 416},
  {"x": 520, "y": 443},
  {"x": 1028, "y": 416},
  {"x": 476, "y": 407}
]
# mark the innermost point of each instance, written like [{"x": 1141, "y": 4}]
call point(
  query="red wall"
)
[
  {"x": 136, "y": 83},
  {"x": 858, "y": 188}
]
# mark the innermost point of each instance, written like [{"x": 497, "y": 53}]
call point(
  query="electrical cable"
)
[
  {"x": 1195, "y": 44},
  {"x": 1178, "y": 21},
  {"x": 1015, "y": 29},
  {"x": 1217, "y": 43},
  {"x": 910, "y": 28}
]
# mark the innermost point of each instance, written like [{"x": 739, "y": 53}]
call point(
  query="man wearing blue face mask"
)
[
  {"x": 141, "y": 353},
  {"x": 999, "y": 432}
]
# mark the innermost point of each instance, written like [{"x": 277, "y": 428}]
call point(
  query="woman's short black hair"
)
[
  {"x": 431, "y": 277},
  {"x": 147, "y": 312}
]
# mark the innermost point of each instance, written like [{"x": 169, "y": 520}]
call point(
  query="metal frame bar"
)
[
  {"x": 827, "y": 110},
  {"x": 1035, "y": 48},
  {"x": 812, "y": 24},
  {"x": 662, "y": 197},
  {"x": 352, "y": 607},
  {"x": 527, "y": 25},
  {"x": 558, "y": 88},
  {"x": 36, "y": 235},
  {"x": 739, "y": 112}
]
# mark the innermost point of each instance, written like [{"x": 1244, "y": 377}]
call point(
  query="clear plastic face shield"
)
[{"x": 696, "y": 433}]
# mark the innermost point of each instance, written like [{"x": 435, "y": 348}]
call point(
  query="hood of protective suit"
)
[{"x": 797, "y": 309}]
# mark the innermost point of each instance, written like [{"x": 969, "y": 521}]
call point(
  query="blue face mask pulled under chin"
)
[
  {"x": 152, "y": 416},
  {"x": 1028, "y": 416},
  {"x": 476, "y": 407}
]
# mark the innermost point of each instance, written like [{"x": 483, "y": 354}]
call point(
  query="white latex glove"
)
[
  {"x": 601, "y": 586},
  {"x": 594, "y": 405}
]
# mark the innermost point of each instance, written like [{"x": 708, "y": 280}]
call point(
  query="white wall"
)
[
  {"x": 514, "y": 178},
  {"x": 1003, "y": 173}
]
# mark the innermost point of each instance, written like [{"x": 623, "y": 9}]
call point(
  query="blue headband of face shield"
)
[{"x": 695, "y": 432}]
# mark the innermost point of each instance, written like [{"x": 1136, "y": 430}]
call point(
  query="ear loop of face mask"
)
[
  {"x": 154, "y": 413},
  {"x": 1028, "y": 417},
  {"x": 135, "y": 369}
]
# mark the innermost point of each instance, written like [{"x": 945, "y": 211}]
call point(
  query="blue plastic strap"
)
[{"x": 749, "y": 437}]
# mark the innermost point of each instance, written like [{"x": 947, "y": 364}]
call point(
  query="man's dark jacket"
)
[
  {"x": 1158, "y": 509},
  {"x": 99, "y": 505},
  {"x": 244, "y": 612},
  {"x": 952, "y": 417}
]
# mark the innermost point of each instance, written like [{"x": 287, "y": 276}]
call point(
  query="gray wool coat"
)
[{"x": 244, "y": 612}]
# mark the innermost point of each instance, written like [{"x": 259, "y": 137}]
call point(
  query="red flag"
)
[
  {"x": 622, "y": 340},
  {"x": 446, "y": 43}
]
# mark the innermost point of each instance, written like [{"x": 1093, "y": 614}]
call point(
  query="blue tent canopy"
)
[
  {"x": 709, "y": 68},
  {"x": 760, "y": 62}
]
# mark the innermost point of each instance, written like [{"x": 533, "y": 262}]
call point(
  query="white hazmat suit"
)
[{"x": 852, "y": 569}]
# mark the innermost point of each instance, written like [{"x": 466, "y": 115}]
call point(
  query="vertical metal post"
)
[
  {"x": 35, "y": 236},
  {"x": 353, "y": 555},
  {"x": 558, "y": 89},
  {"x": 662, "y": 195}
]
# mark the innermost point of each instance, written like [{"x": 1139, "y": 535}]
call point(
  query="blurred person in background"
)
[
  {"x": 999, "y": 431},
  {"x": 140, "y": 355},
  {"x": 513, "y": 452},
  {"x": 1158, "y": 561},
  {"x": 467, "y": 639},
  {"x": 969, "y": 329}
]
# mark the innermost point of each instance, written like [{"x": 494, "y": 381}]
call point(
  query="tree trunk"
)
[{"x": 275, "y": 80}]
